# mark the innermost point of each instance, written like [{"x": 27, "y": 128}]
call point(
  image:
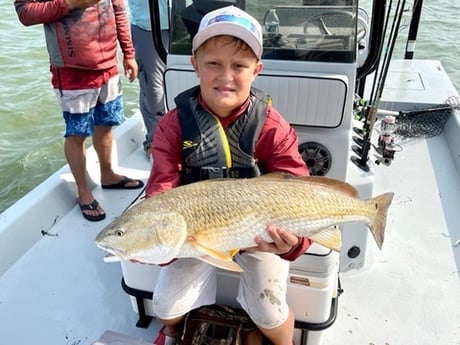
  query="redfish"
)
[{"x": 213, "y": 219}]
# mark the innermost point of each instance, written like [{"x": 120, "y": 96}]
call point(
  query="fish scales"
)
[
  {"x": 214, "y": 217},
  {"x": 295, "y": 207}
]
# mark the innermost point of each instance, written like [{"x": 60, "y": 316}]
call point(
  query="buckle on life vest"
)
[{"x": 213, "y": 172}]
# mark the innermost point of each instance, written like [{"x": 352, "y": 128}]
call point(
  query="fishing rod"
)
[
  {"x": 377, "y": 89},
  {"x": 364, "y": 111},
  {"x": 413, "y": 29}
]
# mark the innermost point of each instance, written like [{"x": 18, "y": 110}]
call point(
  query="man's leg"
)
[
  {"x": 151, "y": 89},
  {"x": 102, "y": 142},
  {"x": 108, "y": 112},
  {"x": 75, "y": 153}
]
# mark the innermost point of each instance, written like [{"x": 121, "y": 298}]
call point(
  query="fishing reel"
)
[{"x": 386, "y": 147}]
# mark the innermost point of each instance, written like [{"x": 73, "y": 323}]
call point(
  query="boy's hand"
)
[{"x": 283, "y": 241}]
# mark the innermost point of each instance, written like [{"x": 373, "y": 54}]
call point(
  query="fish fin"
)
[
  {"x": 382, "y": 204},
  {"x": 223, "y": 264},
  {"x": 211, "y": 252},
  {"x": 330, "y": 238},
  {"x": 216, "y": 258},
  {"x": 328, "y": 182}
]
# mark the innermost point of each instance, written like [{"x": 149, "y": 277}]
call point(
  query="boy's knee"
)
[{"x": 269, "y": 317}]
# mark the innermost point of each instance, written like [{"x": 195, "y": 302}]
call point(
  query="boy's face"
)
[{"x": 226, "y": 69}]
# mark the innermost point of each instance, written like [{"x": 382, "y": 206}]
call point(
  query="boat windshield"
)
[{"x": 302, "y": 30}]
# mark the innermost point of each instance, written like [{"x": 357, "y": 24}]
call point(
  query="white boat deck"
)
[
  {"x": 410, "y": 292},
  {"x": 60, "y": 292}
]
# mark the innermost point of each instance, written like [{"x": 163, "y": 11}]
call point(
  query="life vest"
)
[{"x": 208, "y": 150}]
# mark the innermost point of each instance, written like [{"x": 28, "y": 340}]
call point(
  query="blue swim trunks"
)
[{"x": 85, "y": 108}]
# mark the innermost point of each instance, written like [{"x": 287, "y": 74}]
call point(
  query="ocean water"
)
[{"x": 31, "y": 124}]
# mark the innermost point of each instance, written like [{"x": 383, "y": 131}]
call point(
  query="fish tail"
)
[{"x": 382, "y": 204}]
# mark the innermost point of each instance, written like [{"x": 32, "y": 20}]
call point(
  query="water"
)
[{"x": 31, "y": 124}]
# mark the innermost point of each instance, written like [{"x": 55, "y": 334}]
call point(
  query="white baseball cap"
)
[{"x": 230, "y": 21}]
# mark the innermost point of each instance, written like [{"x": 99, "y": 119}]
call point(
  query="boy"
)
[{"x": 224, "y": 128}]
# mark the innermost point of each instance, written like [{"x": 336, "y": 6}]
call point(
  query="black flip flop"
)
[
  {"x": 90, "y": 207},
  {"x": 123, "y": 184}
]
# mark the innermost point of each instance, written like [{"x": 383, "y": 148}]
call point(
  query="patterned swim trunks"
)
[{"x": 94, "y": 100}]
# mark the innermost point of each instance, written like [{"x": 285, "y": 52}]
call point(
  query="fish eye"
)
[{"x": 119, "y": 232}]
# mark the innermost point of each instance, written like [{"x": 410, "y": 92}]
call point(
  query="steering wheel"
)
[{"x": 319, "y": 23}]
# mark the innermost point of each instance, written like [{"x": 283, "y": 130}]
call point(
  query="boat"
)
[{"x": 380, "y": 123}]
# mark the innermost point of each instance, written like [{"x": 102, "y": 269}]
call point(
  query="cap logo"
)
[{"x": 244, "y": 22}]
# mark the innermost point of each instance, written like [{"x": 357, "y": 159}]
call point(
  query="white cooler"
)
[
  {"x": 313, "y": 287},
  {"x": 312, "y": 291}
]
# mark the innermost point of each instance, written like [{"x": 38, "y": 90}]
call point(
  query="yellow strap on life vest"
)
[{"x": 228, "y": 155}]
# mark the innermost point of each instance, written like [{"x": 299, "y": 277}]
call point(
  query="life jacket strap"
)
[{"x": 193, "y": 174}]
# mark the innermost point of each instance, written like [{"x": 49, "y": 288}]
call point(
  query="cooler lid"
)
[{"x": 317, "y": 259}]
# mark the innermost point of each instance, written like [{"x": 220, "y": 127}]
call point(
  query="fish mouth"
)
[{"x": 123, "y": 254}]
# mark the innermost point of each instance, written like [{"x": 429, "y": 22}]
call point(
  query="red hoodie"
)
[{"x": 81, "y": 38}]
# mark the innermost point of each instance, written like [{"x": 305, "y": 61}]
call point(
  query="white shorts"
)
[{"x": 187, "y": 284}]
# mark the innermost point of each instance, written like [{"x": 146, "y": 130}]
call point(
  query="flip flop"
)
[
  {"x": 90, "y": 207},
  {"x": 123, "y": 184}
]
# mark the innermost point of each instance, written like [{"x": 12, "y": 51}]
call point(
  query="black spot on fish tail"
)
[{"x": 382, "y": 204}]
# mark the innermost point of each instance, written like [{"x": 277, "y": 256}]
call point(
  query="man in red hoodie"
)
[
  {"x": 225, "y": 128},
  {"x": 82, "y": 37}
]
